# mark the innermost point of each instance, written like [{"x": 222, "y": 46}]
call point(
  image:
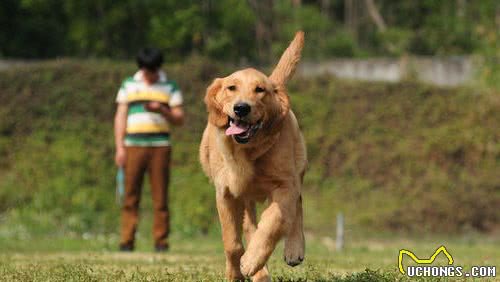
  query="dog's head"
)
[
  {"x": 246, "y": 103},
  {"x": 249, "y": 105}
]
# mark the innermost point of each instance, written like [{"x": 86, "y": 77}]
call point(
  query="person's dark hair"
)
[{"x": 149, "y": 58}]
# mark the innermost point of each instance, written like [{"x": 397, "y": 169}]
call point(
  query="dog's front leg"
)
[
  {"x": 276, "y": 220},
  {"x": 249, "y": 228},
  {"x": 231, "y": 219}
]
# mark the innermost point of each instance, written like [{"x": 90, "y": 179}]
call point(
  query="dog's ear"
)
[
  {"x": 283, "y": 99},
  {"x": 289, "y": 60},
  {"x": 214, "y": 108},
  {"x": 279, "y": 111}
]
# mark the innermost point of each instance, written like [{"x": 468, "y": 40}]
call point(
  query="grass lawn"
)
[{"x": 201, "y": 259}]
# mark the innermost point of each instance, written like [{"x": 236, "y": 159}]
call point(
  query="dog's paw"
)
[
  {"x": 293, "y": 261},
  {"x": 234, "y": 275},
  {"x": 294, "y": 252},
  {"x": 249, "y": 264},
  {"x": 261, "y": 276}
]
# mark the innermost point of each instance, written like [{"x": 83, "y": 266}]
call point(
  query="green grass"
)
[
  {"x": 201, "y": 259},
  {"x": 405, "y": 157},
  {"x": 396, "y": 159}
]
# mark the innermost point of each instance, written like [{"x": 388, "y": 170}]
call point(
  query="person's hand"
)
[
  {"x": 120, "y": 157},
  {"x": 156, "y": 107}
]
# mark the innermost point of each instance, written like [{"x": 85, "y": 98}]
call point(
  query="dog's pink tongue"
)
[{"x": 235, "y": 129}]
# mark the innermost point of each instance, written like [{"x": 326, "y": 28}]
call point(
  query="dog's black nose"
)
[{"x": 241, "y": 109}]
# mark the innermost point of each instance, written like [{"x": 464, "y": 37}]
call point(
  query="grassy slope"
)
[
  {"x": 400, "y": 156},
  {"x": 202, "y": 260}
]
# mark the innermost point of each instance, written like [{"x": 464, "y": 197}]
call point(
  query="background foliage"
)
[
  {"x": 247, "y": 30},
  {"x": 398, "y": 157}
]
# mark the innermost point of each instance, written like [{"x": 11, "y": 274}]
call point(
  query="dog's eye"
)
[
  {"x": 231, "y": 88},
  {"x": 259, "y": 89}
]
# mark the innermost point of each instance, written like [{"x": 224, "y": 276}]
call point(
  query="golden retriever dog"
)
[{"x": 252, "y": 150}]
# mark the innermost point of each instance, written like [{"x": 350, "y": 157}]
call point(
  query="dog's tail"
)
[{"x": 289, "y": 60}]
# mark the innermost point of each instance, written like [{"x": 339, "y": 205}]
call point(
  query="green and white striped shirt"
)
[{"x": 145, "y": 128}]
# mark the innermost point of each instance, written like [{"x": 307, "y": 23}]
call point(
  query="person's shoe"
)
[
  {"x": 161, "y": 248},
  {"x": 126, "y": 248}
]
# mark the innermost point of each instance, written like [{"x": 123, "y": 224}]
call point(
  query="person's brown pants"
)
[{"x": 156, "y": 161}]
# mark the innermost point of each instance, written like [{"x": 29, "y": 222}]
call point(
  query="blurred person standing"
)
[{"x": 148, "y": 104}]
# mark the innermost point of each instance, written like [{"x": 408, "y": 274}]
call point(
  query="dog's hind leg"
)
[
  {"x": 294, "y": 240},
  {"x": 249, "y": 227},
  {"x": 231, "y": 219}
]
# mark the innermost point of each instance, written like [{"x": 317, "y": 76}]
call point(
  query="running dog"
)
[{"x": 252, "y": 150}]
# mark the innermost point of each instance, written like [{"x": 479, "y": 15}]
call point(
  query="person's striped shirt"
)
[{"x": 145, "y": 128}]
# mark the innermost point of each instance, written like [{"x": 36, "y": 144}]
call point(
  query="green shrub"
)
[{"x": 404, "y": 156}]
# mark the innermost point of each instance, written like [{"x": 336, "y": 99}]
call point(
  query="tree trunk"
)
[
  {"x": 375, "y": 15},
  {"x": 497, "y": 16},
  {"x": 350, "y": 14},
  {"x": 264, "y": 29},
  {"x": 461, "y": 8},
  {"x": 325, "y": 7}
]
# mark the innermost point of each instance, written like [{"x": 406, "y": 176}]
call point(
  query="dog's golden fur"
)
[{"x": 270, "y": 166}]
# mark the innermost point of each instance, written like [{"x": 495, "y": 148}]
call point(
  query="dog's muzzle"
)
[{"x": 241, "y": 130}]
